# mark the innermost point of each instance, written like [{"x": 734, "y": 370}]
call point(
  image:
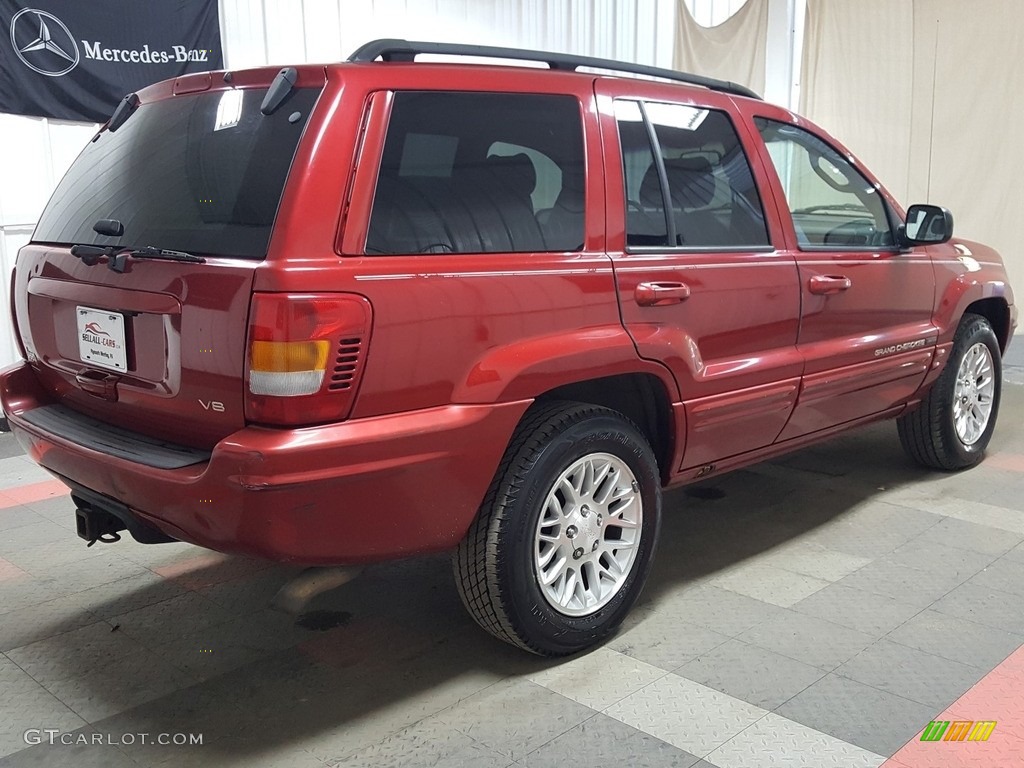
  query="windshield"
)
[{"x": 200, "y": 173}]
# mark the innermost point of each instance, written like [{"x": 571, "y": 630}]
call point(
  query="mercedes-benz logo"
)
[{"x": 43, "y": 43}]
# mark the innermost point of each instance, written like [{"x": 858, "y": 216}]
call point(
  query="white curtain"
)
[
  {"x": 734, "y": 50},
  {"x": 858, "y": 80},
  {"x": 926, "y": 93}
]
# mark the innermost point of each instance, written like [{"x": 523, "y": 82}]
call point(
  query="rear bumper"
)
[{"x": 358, "y": 491}]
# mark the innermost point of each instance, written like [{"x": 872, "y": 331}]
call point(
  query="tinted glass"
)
[
  {"x": 645, "y": 213},
  {"x": 201, "y": 173},
  {"x": 712, "y": 199},
  {"x": 832, "y": 204},
  {"x": 479, "y": 173}
]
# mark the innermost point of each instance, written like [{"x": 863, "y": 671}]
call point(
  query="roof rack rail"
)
[{"x": 407, "y": 50}]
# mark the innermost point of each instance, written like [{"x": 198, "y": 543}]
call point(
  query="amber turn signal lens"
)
[{"x": 289, "y": 356}]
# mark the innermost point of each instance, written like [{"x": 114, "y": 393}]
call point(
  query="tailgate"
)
[
  {"x": 159, "y": 349},
  {"x": 194, "y": 173}
]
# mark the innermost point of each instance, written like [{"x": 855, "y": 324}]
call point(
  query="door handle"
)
[
  {"x": 823, "y": 285},
  {"x": 661, "y": 294}
]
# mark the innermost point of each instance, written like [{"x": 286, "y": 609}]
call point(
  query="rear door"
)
[
  {"x": 866, "y": 332},
  {"x": 701, "y": 285},
  {"x": 159, "y": 347},
  {"x": 468, "y": 233}
]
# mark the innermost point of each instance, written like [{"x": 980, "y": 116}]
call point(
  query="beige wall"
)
[{"x": 927, "y": 94}]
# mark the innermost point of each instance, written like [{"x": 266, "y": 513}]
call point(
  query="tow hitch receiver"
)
[
  {"x": 95, "y": 525},
  {"x": 99, "y": 518}
]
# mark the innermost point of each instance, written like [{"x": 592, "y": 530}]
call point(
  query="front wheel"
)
[
  {"x": 563, "y": 542},
  {"x": 954, "y": 423}
]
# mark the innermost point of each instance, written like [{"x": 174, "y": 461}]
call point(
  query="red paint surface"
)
[{"x": 345, "y": 493}]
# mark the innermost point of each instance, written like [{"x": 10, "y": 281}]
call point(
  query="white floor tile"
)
[
  {"x": 598, "y": 679},
  {"x": 686, "y": 714}
]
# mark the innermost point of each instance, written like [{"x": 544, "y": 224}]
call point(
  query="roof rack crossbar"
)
[{"x": 407, "y": 50}]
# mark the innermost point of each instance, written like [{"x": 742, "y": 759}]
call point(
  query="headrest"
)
[
  {"x": 515, "y": 172},
  {"x": 690, "y": 180},
  {"x": 572, "y": 195}
]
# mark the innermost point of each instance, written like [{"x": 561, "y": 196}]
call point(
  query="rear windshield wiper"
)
[{"x": 117, "y": 255}]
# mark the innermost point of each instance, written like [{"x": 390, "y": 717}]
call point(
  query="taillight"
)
[
  {"x": 14, "y": 315},
  {"x": 301, "y": 364},
  {"x": 287, "y": 368}
]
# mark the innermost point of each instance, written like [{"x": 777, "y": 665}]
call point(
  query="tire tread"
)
[
  {"x": 921, "y": 430},
  {"x": 475, "y": 561}
]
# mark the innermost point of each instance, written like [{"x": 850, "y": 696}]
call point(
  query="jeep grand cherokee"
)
[{"x": 340, "y": 314}]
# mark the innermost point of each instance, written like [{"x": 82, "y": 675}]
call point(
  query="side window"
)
[
  {"x": 547, "y": 172},
  {"x": 832, "y": 204},
  {"x": 712, "y": 200},
  {"x": 479, "y": 173},
  {"x": 645, "y": 206}
]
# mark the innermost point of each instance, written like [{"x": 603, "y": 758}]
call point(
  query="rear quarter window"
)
[{"x": 479, "y": 173}]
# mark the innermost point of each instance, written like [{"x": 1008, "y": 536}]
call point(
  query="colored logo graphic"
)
[
  {"x": 43, "y": 43},
  {"x": 95, "y": 329},
  {"x": 958, "y": 730}
]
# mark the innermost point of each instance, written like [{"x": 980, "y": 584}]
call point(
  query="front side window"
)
[
  {"x": 692, "y": 185},
  {"x": 479, "y": 173},
  {"x": 833, "y": 205}
]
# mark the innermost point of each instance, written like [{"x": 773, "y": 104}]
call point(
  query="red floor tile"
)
[
  {"x": 26, "y": 494},
  {"x": 1002, "y": 750},
  {"x": 1011, "y": 461},
  {"x": 998, "y": 696},
  {"x": 9, "y": 571}
]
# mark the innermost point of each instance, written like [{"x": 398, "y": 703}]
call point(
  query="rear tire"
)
[
  {"x": 954, "y": 422},
  {"x": 563, "y": 542}
]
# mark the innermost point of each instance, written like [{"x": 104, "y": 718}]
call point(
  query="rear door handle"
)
[
  {"x": 661, "y": 294},
  {"x": 824, "y": 285}
]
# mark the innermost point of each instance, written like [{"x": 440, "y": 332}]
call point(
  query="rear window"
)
[
  {"x": 480, "y": 173},
  {"x": 201, "y": 173}
]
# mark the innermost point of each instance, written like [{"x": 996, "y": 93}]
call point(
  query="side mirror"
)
[{"x": 926, "y": 225}]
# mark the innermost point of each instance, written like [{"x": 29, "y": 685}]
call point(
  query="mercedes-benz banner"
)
[{"x": 76, "y": 59}]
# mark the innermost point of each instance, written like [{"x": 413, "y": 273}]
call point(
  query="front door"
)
[
  {"x": 866, "y": 332},
  {"x": 701, "y": 286}
]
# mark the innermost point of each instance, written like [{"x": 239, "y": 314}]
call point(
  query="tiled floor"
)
[{"x": 817, "y": 611}]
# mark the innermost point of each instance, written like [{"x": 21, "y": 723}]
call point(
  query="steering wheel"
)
[{"x": 857, "y": 232}]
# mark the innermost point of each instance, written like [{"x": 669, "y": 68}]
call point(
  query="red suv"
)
[{"x": 341, "y": 314}]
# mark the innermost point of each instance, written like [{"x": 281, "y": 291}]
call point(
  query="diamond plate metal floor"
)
[{"x": 820, "y": 610}]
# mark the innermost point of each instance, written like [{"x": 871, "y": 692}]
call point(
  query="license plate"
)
[{"x": 101, "y": 339}]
